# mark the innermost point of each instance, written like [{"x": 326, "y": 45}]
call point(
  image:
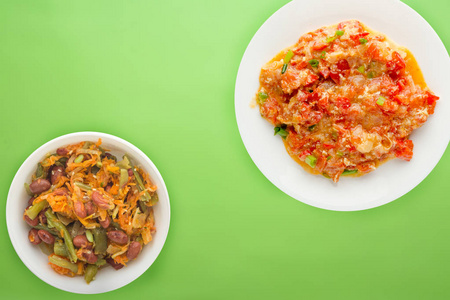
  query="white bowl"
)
[
  {"x": 107, "y": 279},
  {"x": 392, "y": 179}
]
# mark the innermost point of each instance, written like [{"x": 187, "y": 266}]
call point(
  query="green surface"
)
[{"x": 161, "y": 75}]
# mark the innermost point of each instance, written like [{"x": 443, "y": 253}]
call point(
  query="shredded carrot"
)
[
  {"x": 121, "y": 259},
  {"x": 99, "y": 142},
  {"x": 80, "y": 268}
]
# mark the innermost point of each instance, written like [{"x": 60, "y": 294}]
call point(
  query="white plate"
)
[
  {"x": 107, "y": 279},
  {"x": 391, "y": 180}
]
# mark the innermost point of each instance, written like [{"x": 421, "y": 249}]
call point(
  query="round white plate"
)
[
  {"x": 107, "y": 279},
  {"x": 391, "y": 180}
]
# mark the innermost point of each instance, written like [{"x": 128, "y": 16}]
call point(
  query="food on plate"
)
[
  {"x": 88, "y": 210},
  {"x": 345, "y": 99}
]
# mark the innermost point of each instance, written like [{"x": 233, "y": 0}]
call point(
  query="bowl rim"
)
[{"x": 165, "y": 224}]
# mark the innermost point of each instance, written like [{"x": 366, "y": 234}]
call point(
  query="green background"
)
[{"x": 161, "y": 75}]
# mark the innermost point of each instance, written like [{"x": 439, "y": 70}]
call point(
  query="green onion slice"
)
[
  {"x": 280, "y": 131},
  {"x": 381, "y": 100},
  {"x": 262, "y": 97},
  {"x": 348, "y": 172},
  {"x": 314, "y": 63},
  {"x": 362, "y": 41},
  {"x": 311, "y": 160},
  {"x": 361, "y": 69},
  {"x": 288, "y": 56},
  {"x": 330, "y": 39},
  {"x": 283, "y": 70},
  {"x": 339, "y": 33},
  {"x": 323, "y": 54}
]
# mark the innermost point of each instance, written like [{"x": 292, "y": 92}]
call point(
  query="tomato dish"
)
[{"x": 345, "y": 99}]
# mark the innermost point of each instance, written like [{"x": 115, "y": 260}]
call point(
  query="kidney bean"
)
[
  {"x": 30, "y": 221},
  {"x": 113, "y": 264},
  {"x": 99, "y": 200},
  {"x": 90, "y": 257},
  {"x": 80, "y": 241},
  {"x": 130, "y": 172},
  {"x": 56, "y": 173},
  {"x": 106, "y": 222},
  {"x": 40, "y": 185},
  {"x": 90, "y": 208},
  {"x": 133, "y": 250},
  {"x": 46, "y": 237},
  {"x": 33, "y": 236},
  {"x": 118, "y": 237},
  {"x": 79, "y": 209},
  {"x": 42, "y": 218},
  {"x": 62, "y": 151}
]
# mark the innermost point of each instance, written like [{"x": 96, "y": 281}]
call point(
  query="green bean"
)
[
  {"x": 91, "y": 271},
  {"x": 96, "y": 168},
  {"x": 87, "y": 145},
  {"x": 89, "y": 236},
  {"x": 116, "y": 225},
  {"x": 124, "y": 164},
  {"x": 27, "y": 189},
  {"x": 61, "y": 262},
  {"x": 46, "y": 248},
  {"x": 79, "y": 159},
  {"x": 101, "y": 240},
  {"x": 83, "y": 186},
  {"x": 154, "y": 199},
  {"x": 61, "y": 162},
  {"x": 60, "y": 248},
  {"x": 143, "y": 207},
  {"x": 146, "y": 197},
  {"x": 75, "y": 229},
  {"x": 123, "y": 177},
  {"x": 39, "y": 171},
  {"x": 100, "y": 262},
  {"x": 35, "y": 209},
  {"x": 66, "y": 235}
]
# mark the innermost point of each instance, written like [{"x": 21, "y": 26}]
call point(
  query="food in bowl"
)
[
  {"x": 345, "y": 99},
  {"x": 88, "y": 210}
]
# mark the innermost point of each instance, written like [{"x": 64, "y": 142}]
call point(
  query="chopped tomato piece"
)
[
  {"x": 325, "y": 72},
  {"x": 311, "y": 79},
  {"x": 343, "y": 103},
  {"x": 335, "y": 77},
  {"x": 404, "y": 149},
  {"x": 355, "y": 37},
  {"x": 352, "y": 25},
  {"x": 372, "y": 51},
  {"x": 395, "y": 65},
  {"x": 366, "y": 167},
  {"x": 294, "y": 140},
  {"x": 342, "y": 65},
  {"x": 319, "y": 45},
  {"x": 432, "y": 98},
  {"x": 270, "y": 110}
]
